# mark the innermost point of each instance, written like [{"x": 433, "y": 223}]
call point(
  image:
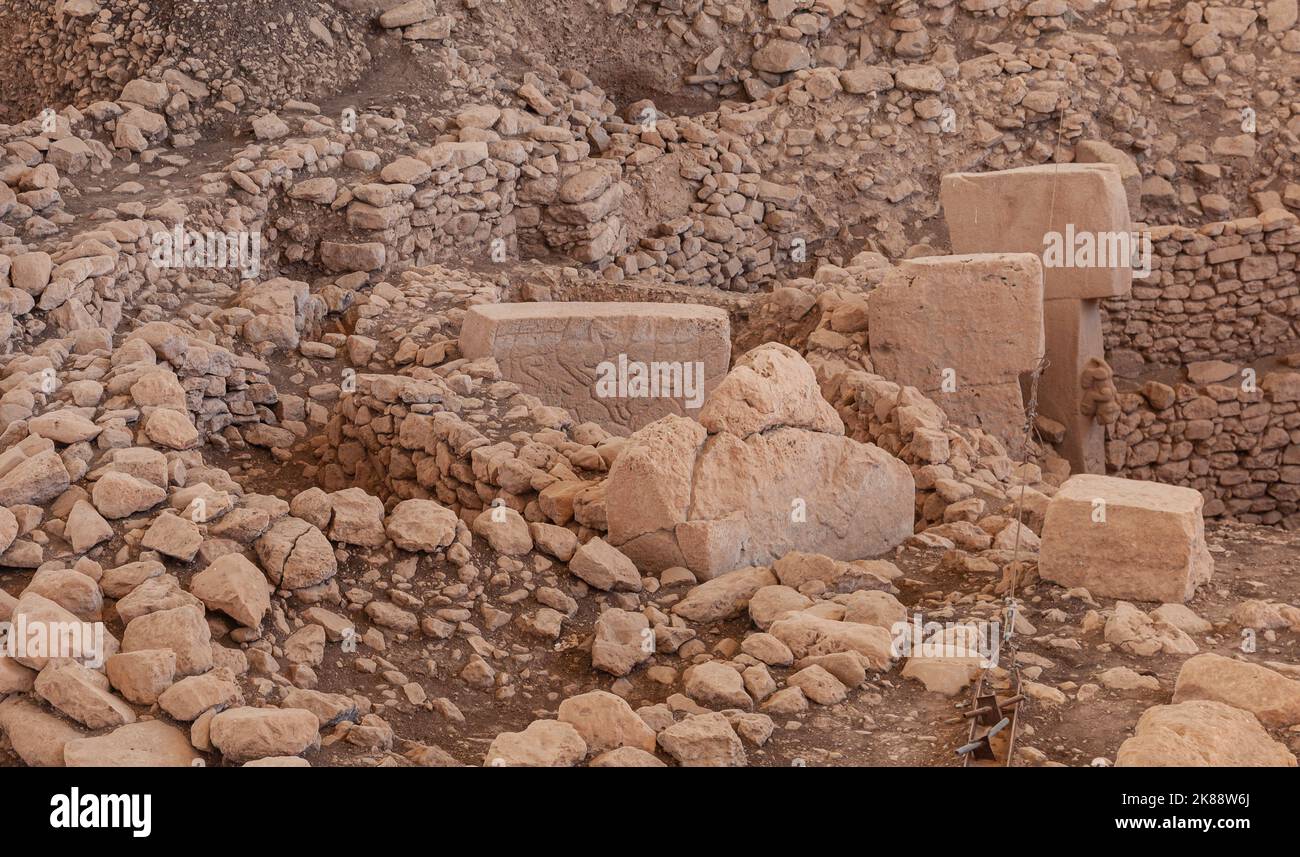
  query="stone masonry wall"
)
[
  {"x": 1225, "y": 291},
  {"x": 1239, "y": 447}
]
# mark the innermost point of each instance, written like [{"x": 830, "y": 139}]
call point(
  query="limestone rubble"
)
[{"x": 645, "y": 384}]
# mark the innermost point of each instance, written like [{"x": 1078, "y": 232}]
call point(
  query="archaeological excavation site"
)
[{"x": 649, "y": 383}]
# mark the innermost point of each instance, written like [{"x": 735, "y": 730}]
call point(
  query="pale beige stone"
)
[
  {"x": 1124, "y": 538},
  {"x": 962, "y": 330},
  {"x": 606, "y": 722},
  {"x": 555, "y": 351},
  {"x": 1269, "y": 695},
  {"x": 1201, "y": 733},
  {"x": 243, "y": 734},
  {"x": 1011, "y": 211},
  {"x": 543, "y": 744}
]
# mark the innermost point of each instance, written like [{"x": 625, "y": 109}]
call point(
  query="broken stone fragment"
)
[
  {"x": 1033, "y": 209},
  {"x": 35, "y": 480},
  {"x": 715, "y": 510},
  {"x": 543, "y": 744},
  {"x": 505, "y": 530},
  {"x": 724, "y": 596},
  {"x": 704, "y": 741},
  {"x": 147, "y": 744},
  {"x": 119, "y": 495},
  {"x": 716, "y": 685},
  {"x": 410, "y": 12},
  {"x": 623, "y": 640},
  {"x": 173, "y": 536},
  {"x": 244, "y": 734},
  {"x": 141, "y": 676},
  {"x": 620, "y": 364},
  {"x": 358, "y": 518},
  {"x": 183, "y": 630},
  {"x": 295, "y": 554},
  {"x": 234, "y": 586},
  {"x": 83, "y": 695},
  {"x": 781, "y": 55},
  {"x": 606, "y": 722},
  {"x": 809, "y": 635},
  {"x": 189, "y": 698},
  {"x": 63, "y": 427},
  {"x": 421, "y": 525},
  {"x": 604, "y": 567}
]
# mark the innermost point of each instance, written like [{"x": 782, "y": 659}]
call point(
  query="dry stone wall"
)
[
  {"x": 1239, "y": 447},
  {"x": 1225, "y": 291}
]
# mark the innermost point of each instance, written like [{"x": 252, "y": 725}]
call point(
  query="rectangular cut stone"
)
[
  {"x": 962, "y": 329},
  {"x": 1100, "y": 152},
  {"x": 1013, "y": 211},
  {"x": 1125, "y": 538},
  {"x": 586, "y": 356}
]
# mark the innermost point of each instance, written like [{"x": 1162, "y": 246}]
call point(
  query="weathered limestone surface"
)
[
  {"x": 772, "y": 473},
  {"x": 962, "y": 329},
  {"x": 1199, "y": 734},
  {"x": 1269, "y": 695},
  {"x": 1121, "y": 538},
  {"x": 1011, "y": 211},
  {"x": 1014, "y": 211},
  {"x": 1074, "y": 334},
  {"x": 555, "y": 350}
]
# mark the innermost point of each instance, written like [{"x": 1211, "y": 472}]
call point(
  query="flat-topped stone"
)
[
  {"x": 622, "y": 365},
  {"x": 962, "y": 329},
  {"x": 1125, "y": 538},
  {"x": 1015, "y": 211}
]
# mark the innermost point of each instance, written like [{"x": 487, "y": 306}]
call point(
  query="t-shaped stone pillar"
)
[{"x": 1075, "y": 218}]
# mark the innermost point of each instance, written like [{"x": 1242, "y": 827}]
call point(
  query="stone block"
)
[
  {"x": 1014, "y": 211},
  {"x": 622, "y": 365},
  {"x": 1125, "y": 538}
]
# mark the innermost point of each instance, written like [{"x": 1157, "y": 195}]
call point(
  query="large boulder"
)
[
  {"x": 768, "y": 471},
  {"x": 37, "y": 736},
  {"x": 1269, "y": 695},
  {"x": 1198, "y": 734}
]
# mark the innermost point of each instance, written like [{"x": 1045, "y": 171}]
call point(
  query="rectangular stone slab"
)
[
  {"x": 1125, "y": 538},
  {"x": 962, "y": 329},
  {"x": 555, "y": 351},
  {"x": 1011, "y": 211}
]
